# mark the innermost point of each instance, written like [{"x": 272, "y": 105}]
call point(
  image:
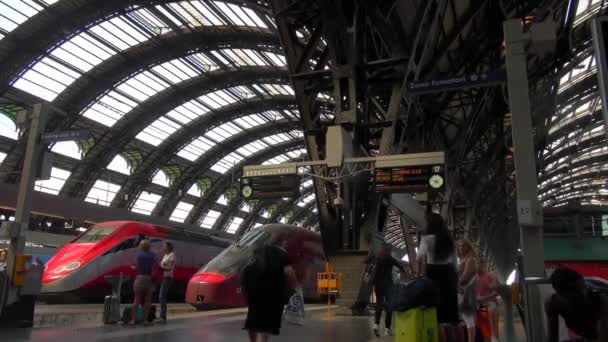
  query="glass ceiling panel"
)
[
  {"x": 2, "y": 157},
  {"x": 160, "y": 178},
  {"x": 8, "y": 128},
  {"x": 102, "y": 193},
  {"x": 210, "y": 219},
  {"x": 55, "y": 183},
  {"x": 194, "y": 191},
  {"x": 585, "y": 9},
  {"x": 304, "y": 201},
  {"x": 145, "y": 203},
  {"x": 96, "y": 44},
  {"x": 15, "y": 12},
  {"x": 196, "y": 148},
  {"x": 162, "y": 128},
  {"x": 68, "y": 149},
  {"x": 119, "y": 164},
  {"x": 234, "y": 225},
  {"x": 181, "y": 212}
]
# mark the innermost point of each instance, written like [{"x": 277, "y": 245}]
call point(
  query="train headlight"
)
[
  {"x": 72, "y": 266},
  {"x": 69, "y": 267}
]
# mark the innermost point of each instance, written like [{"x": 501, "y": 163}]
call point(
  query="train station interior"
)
[{"x": 304, "y": 170}]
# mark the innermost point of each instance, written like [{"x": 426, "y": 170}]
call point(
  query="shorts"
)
[
  {"x": 469, "y": 320},
  {"x": 142, "y": 283},
  {"x": 491, "y": 306}
]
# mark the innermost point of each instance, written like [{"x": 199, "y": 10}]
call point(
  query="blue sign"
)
[
  {"x": 52, "y": 137},
  {"x": 483, "y": 79}
]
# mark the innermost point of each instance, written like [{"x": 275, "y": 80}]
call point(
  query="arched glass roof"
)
[{"x": 112, "y": 72}]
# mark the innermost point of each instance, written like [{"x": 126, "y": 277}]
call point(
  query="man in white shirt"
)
[{"x": 168, "y": 266}]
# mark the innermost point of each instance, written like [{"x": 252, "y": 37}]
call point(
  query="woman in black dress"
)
[
  {"x": 266, "y": 289},
  {"x": 437, "y": 260}
]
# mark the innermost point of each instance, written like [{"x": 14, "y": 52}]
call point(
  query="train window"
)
[
  {"x": 251, "y": 238},
  {"x": 95, "y": 234}
]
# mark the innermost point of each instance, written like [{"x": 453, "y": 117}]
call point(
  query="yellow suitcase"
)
[{"x": 416, "y": 325}]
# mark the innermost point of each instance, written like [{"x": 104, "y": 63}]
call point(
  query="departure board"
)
[
  {"x": 269, "y": 187},
  {"x": 409, "y": 179}
]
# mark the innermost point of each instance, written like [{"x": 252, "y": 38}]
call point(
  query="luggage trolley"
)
[{"x": 329, "y": 284}]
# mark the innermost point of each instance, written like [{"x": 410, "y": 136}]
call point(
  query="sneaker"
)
[
  {"x": 376, "y": 330},
  {"x": 388, "y": 332}
]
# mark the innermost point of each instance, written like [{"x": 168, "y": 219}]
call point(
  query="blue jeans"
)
[{"x": 162, "y": 297}]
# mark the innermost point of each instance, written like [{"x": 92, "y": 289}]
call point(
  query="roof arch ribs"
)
[
  {"x": 209, "y": 158},
  {"x": 222, "y": 183},
  {"x": 127, "y": 128}
]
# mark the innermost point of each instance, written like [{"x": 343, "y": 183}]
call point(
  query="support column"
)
[
  {"x": 16, "y": 230},
  {"x": 528, "y": 206}
]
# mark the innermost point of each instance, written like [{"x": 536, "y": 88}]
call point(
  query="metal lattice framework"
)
[{"x": 191, "y": 88}]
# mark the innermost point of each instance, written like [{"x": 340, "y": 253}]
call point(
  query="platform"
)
[{"x": 210, "y": 326}]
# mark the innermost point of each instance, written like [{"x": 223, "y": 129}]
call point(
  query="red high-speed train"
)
[
  {"x": 76, "y": 272},
  {"x": 217, "y": 284}
]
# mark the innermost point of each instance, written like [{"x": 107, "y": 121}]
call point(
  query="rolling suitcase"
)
[
  {"x": 111, "y": 310},
  {"x": 416, "y": 325}
]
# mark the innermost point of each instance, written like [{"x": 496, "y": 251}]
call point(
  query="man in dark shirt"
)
[
  {"x": 584, "y": 311},
  {"x": 383, "y": 281}
]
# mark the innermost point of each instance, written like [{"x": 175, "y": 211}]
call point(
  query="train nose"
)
[
  {"x": 204, "y": 290},
  {"x": 212, "y": 290}
]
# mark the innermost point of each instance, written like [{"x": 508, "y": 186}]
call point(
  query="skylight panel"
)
[
  {"x": 194, "y": 190},
  {"x": 196, "y": 148},
  {"x": 252, "y": 147},
  {"x": 68, "y": 149},
  {"x": 8, "y": 128},
  {"x": 222, "y": 200},
  {"x": 187, "y": 12},
  {"x": 265, "y": 214},
  {"x": 120, "y": 165},
  {"x": 161, "y": 178},
  {"x": 227, "y": 162},
  {"x": 258, "y": 21},
  {"x": 250, "y": 121},
  {"x": 210, "y": 18},
  {"x": 168, "y": 15},
  {"x": 158, "y": 131},
  {"x": 102, "y": 193},
  {"x": 234, "y": 225},
  {"x": 181, "y": 212},
  {"x": 223, "y": 132},
  {"x": 245, "y": 207},
  {"x": 2, "y": 157},
  {"x": 229, "y": 13},
  {"x": 15, "y": 12},
  {"x": 112, "y": 105},
  {"x": 55, "y": 183},
  {"x": 276, "y": 59},
  {"x": 210, "y": 219},
  {"x": 306, "y": 200},
  {"x": 145, "y": 203}
]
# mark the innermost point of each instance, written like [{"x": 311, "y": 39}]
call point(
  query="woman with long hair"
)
[
  {"x": 437, "y": 260},
  {"x": 467, "y": 282}
]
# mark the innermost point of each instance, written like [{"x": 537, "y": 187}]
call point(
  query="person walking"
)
[
  {"x": 167, "y": 264},
  {"x": 143, "y": 287},
  {"x": 437, "y": 261},
  {"x": 584, "y": 310},
  {"x": 383, "y": 281},
  {"x": 265, "y": 282},
  {"x": 467, "y": 282},
  {"x": 487, "y": 295}
]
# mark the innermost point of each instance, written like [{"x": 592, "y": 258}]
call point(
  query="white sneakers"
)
[{"x": 376, "y": 331}]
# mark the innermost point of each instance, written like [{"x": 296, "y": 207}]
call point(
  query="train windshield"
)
[
  {"x": 235, "y": 256},
  {"x": 95, "y": 234}
]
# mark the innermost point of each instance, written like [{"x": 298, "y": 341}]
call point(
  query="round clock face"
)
[
  {"x": 436, "y": 181},
  {"x": 246, "y": 191}
]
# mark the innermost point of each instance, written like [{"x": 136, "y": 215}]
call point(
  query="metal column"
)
[
  {"x": 528, "y": 206},
  {"x": 17, "y": 228}
]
